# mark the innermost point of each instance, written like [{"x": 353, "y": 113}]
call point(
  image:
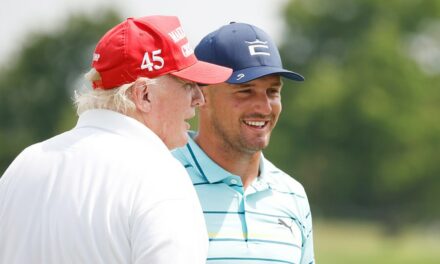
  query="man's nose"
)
[
  {"x": 197, "y": 96},
  {"x": 263, "y": 104}
]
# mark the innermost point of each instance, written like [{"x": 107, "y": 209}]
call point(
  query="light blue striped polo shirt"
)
[{"x": 268, "y": 223}]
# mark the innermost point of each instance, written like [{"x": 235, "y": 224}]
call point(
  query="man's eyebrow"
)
[
  {"x": 277, "y": 84},
  {"x": 244, "y": 85},
  {"x": 247, "y": 85},
  {"x": 183, "y": 81}
]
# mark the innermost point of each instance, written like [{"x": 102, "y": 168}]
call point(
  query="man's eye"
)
[
  {"x": 189, "y": 86},
  {"x": 274, "y": 92},
  {"x": 244, "y": 91}
]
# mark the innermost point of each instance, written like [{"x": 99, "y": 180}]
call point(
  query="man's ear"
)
[{"x": 141, "y": 95}]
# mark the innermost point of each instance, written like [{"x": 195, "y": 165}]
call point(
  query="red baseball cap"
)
[{"x": 150, "y": 47}]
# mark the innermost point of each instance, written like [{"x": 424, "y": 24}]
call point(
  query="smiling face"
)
[{"x": 241, "y": 116}]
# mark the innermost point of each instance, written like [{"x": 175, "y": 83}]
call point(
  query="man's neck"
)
[{"x": 245, "y": 165}]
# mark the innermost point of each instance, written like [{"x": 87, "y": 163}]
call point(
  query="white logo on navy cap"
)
[
  {"x": 260, "y": 45},
  {"x": 240, "y": 76}
]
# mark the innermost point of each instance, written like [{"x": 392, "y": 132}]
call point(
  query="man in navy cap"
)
[{"x": 255, "y": 213}]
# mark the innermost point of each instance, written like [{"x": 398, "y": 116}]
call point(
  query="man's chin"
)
[
  {"x": 258, "y": 143},
  {"x": 253, "y": 147},
  {"x": 178, "y": 142}
]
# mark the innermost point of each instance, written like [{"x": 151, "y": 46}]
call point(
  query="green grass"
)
[{"x": 359, "y": 243}]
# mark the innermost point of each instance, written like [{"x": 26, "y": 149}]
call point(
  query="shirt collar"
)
[
  {"x": 119, "y": 124},
  {"x": 265, "y": 179},
  {"x": 207, "y": 167},
  {"x": 214, "y": 173}
]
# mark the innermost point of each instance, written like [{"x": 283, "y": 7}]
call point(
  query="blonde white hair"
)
[{"x": 117, "y": 99}]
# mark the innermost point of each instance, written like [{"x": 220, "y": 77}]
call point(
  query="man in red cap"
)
[{"x": 109, "y": 191}]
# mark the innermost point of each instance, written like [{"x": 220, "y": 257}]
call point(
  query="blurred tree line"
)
[
  {"x": 36, "y": 86},
  {"x": 362, "y": 133}
]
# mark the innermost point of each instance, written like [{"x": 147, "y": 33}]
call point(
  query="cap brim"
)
[
  {"x": 249, "y": 74},
  {"x": 204, "y": 73}
]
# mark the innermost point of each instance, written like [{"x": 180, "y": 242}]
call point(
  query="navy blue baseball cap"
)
[{"x": 245, "y": 48}]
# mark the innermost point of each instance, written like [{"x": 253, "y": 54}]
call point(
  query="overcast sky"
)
[{"x": 198, "y": 17}]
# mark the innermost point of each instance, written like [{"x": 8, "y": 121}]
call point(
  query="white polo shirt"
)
[
  {"x": 108, "y": 191},
  {"x": 269, "y": 222}
]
